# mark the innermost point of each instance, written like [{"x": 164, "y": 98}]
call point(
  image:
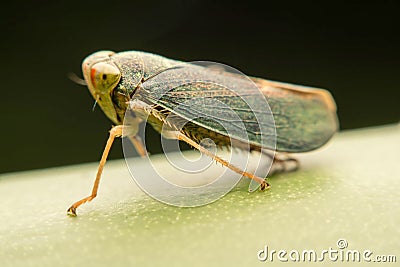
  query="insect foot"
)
[
  {"x": 264, "y": 186},
  {"x": 71, "y": 211}
]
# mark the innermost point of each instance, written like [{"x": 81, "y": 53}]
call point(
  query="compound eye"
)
[{"x": 104, "y": 77}]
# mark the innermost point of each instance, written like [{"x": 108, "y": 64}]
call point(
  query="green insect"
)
[{"x": 144, "y": 85}]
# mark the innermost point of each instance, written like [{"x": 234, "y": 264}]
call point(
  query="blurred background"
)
[{"x": 352, "y": 49}]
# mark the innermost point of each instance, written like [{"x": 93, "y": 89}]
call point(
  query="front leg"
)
[{"x": 116, "y": 131}]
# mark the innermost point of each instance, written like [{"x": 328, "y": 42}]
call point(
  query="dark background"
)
[{"x": 351, "y": 48}]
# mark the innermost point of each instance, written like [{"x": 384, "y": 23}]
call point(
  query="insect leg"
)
[
  {"x": 116, "y": 131},
  {"x": 131, "y": 128},
  {"x": 264, "y": 185},
  {"x": 139, "y": 146},
  {"x": 281, "y": 162}
]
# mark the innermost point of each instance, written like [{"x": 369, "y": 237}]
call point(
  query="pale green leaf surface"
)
[{"x": 349, "y": 189}]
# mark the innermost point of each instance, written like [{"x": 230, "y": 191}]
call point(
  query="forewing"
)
[
  {"x": 305, "y": 117},
  {"x": 230, "y": 104}
]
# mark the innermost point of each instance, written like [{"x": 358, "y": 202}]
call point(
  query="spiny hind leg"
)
[
  {"x": 282, "y": 162},
  {"x": 260, "y": 181}
]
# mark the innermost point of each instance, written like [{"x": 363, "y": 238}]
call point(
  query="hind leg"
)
[{"x": 282, "y": 162}]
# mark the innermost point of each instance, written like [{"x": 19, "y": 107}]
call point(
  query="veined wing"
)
[{"x": 304, "y": 117}]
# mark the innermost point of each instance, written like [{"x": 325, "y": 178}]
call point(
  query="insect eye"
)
[{"x": 104, "y": 76}]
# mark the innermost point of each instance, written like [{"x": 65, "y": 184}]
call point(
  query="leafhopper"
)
[{"x": 276, "y": 116}]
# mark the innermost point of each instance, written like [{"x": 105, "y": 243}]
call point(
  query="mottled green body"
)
[{"x": 304, "y": 117}]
